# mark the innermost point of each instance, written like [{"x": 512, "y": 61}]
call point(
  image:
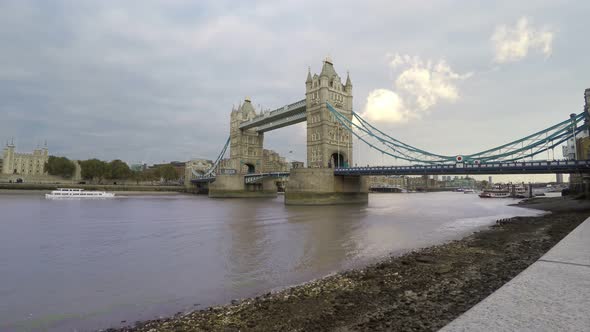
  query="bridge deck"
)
[
  {"x": 281, "y": 117},
  {"x": 533, "y": 167}
]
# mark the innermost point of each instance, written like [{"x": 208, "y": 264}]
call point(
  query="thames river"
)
[{"x": 83, "y": 265}]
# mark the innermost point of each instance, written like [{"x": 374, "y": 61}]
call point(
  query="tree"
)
[
  {"x": 168, "y": 173},
  {"x": 60, "y": 166},
  {"x": 94, "y": 169},
  {"x": 119, "y": 170}
]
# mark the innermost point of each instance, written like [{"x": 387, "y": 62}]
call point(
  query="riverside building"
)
[{"x": 24, "y": 163}]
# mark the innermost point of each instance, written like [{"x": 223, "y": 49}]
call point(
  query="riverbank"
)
[
  {"x": 15, "y": 188},
  {"x": 420, "y": 291},
  {"x": 42, "y": 193}
]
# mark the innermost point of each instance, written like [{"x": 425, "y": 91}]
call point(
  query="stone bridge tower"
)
[
  {"x": 329, "y": 144},
  {"x": 245, "y": 145}
]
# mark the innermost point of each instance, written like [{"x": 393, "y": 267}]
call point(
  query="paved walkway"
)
[{"x": 553, "y": 294}]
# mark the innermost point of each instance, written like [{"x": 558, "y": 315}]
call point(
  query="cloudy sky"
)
[{"x": 155, "y": 81}]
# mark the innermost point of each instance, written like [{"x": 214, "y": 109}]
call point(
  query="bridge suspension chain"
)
[
  {"x": 211, "y": 170},
  {"x": 526, "y": 147}
]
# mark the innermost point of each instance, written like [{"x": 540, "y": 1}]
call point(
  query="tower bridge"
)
[{"x": 331, "y": 125}]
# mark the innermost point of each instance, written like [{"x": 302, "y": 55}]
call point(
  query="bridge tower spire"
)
[{"x": 329, "y": 144}]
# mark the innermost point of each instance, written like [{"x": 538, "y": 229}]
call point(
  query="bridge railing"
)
[{"x": 251, "y": 178}]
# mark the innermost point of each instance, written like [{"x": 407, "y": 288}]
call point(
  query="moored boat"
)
[
  {"x": 496, "y": 192},
  {"x": 77, "y": 193}
]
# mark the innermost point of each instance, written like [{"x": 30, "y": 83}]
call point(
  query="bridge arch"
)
[
  {"x": 338, "y": 160},
  {"x": 248, "y": 168}
]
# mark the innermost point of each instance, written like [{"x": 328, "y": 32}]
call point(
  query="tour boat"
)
[
  {"x": 78, "y": 193},
  {"x": 495, "y": 193}
]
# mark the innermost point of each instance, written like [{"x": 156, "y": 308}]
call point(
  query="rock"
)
[
  {"x": 444, "y": 269},
  {"x": 426, "y": 259}
]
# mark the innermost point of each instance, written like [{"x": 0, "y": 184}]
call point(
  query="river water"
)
[{"x": 83, "y": 265}]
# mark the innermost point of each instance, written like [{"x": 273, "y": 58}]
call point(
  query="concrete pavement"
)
[{"x": 553, "y": 294}]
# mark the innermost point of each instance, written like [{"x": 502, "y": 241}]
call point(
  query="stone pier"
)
[
  {"x": 233, "y": 186},
  {"x": 319, "y": 186}
]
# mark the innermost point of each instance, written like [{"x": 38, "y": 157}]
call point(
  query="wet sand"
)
[{"x": 419, "y": 291}]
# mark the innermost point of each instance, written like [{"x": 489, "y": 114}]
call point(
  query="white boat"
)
[
  {"x": 498, "y": 191},
  {"x": 469, "y": 191},
  {"x": 495, "y": 193},
  {"x": 77, "y": 193}
]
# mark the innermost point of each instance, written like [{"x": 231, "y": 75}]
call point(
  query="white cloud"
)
[
  {"x": 384, "y": 105},
  {"x": 514, "y": 43},
  {"x": 418, "y": 87}
]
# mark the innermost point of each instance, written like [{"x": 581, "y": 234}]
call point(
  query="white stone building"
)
[{"x": 24, "y": 163}]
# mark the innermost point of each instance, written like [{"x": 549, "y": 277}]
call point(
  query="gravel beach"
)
[{"x": 419, "y": 291}]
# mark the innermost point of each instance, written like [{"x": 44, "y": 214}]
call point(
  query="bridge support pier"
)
[
  {"x": 233, "y": 186},
  {"x": 319, "y": 186},
  {"x": 198, "y": 188}
]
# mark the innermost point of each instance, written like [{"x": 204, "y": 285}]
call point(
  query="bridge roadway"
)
[
  {"x": 281, "y": 117},
  {"x": 531, "y": 167}
]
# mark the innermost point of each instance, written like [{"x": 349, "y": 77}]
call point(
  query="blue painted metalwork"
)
[
  {"x": 252, "y": 178},
  {"x": 210, "y": 173},
  {"x": 531, "y": 167},
  {"x": 203, "y": 179},
  {"x": 499, "y": 160},
  {"x": 536, "y": 143}
]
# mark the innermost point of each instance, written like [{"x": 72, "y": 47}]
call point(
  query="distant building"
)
[
  {"x": 462, "y": 182},
  {"x": 386, "y": 181},
  {"x": 273, "y": 162},
  {"x": 138, "y": 167},
  {"x": 24, "y": 163},
  {"x": 490, "y": 180},
  {"x": 297, "y": 164}
]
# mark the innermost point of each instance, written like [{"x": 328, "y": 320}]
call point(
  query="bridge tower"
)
[
  {"x": 329, "y": 144},
  {"x": 245, "y": 156},
  {"x": 245, "y": 145}
]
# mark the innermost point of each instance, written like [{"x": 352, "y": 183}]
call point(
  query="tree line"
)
[{"x": 95, "y": 169}]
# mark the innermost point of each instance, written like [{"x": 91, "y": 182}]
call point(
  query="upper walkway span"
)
[{"x": 281, "y": 117}]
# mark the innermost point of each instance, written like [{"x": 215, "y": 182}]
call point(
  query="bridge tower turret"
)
[
  {"x": 245, "y": 145},
  {"x": 329, "y": 144}
]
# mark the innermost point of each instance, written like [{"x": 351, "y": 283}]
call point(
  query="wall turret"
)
[{"x": 348, "y": 86}]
